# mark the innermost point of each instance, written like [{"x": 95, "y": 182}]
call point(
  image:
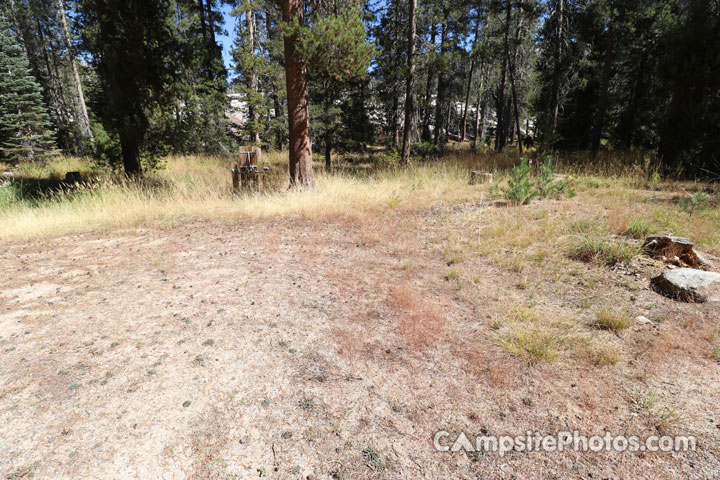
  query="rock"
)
[
  {"x": 688, "y": 285},
  {"x": 642, "y": 319},
  {"x": 676, "y": 250},
  {"x": 476, "y": 176}
]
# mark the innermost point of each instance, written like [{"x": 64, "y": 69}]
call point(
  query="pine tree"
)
[{"x": 25, "y": 132}]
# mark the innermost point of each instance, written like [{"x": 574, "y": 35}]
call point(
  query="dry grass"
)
[
  {"x": 200, "y": 187},
  {"x": 613, "y": 320},
  {"x": 527, "y": 335}
]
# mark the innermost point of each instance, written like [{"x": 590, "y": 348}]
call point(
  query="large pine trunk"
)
[
  {"x": 407, "y": 129},
  {"x": 301, "y": 170},
  {"x": 130, "y": 147},
  {"x": 253, "y": 84}
]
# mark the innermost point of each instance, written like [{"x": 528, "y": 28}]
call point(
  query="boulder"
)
[
  {"x": 688, "y": 285},
  {"x": 675, "y": 250}
]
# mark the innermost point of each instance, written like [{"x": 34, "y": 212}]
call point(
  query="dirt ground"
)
[{"x": 293, "y": 349}]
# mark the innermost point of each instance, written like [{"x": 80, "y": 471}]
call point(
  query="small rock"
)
[
  {"x": 642, "y": 319},
  {"x": 688, "y": 285}
]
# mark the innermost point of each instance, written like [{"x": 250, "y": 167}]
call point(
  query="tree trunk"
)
[
  {"x": 252, "y": 111},
  {"x": 130, "y": 147},
  {"x": 328, "y": 152},
  {"x": 500, "y": 131},
  {"x": 277, "y": 107},
  {"x": 481, "y": 87},
  {"x": 301, "y": 170},
  {"x": 515, "y": 109},
  {"x": 394, "y": 122},
  {"x": 203, "y": 24},
  {"x": 441, "y": 88},
  {"x": 627, "y": 122},
  {"x": 512, "y": 63},
  {"x": 470, "y": 79},
  {"x": 407, "y": 129},
  {"x": 426, "y": 135},
  {"x": 555, "y": 100},
  {"x": 210, "y": 23},
  {"x": 84, "y": 118},
  {"x": 602, "y": 105}
]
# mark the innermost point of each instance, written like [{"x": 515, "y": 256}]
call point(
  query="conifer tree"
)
[{"x": 25, "y": 132}]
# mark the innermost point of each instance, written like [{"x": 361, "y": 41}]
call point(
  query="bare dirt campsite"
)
[{"x": 320, "y": 343}]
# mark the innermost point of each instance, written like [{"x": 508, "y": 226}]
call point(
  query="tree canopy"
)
[{"x": 127, "y": 81}]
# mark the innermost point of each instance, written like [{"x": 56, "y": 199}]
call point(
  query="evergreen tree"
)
[
  {"x": 25, "y": 132},
  {"x": 136, "y": 54}
]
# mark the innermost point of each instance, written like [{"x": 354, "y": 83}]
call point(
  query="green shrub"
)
[
  {"x": 697, "y": 202},
  {"x": 425, "y": 149},
  {"x": 520, "y": 188},
  {"x": 390, "y": 159},
  {"x": 547, "y": 185},
  {"x": 523, "y": 187}
]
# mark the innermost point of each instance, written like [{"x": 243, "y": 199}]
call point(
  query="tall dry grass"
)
[
  {"x": 192, "y": 186},
  {"x": 197, "y": 186}
]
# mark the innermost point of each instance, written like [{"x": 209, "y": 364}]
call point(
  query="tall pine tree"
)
[{"x": 25, "y": 132}]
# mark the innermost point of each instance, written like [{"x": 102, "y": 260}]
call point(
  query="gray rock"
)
[{"x": 688, "y": 285}]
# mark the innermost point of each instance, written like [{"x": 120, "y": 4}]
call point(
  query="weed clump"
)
[
  {"x": 613, "y": 320},
  {"x": 591, "y": 249}
]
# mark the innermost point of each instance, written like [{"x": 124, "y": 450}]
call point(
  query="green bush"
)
[
  {"x": 697, "y": 202},
  {"x": 425, "y": 149},
  {"x": 523, "y": 187}
]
